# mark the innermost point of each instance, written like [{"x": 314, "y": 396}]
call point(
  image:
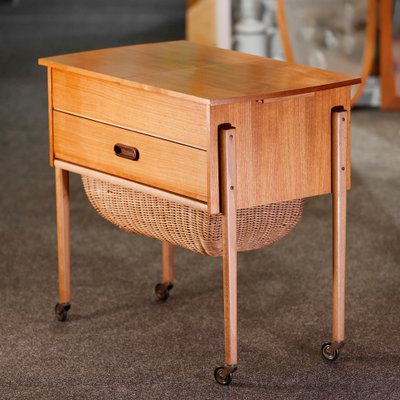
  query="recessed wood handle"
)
[{"x": 124, "y": 151}]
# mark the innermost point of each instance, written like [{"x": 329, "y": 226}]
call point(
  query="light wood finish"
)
[
  {"x": 228, "y": 203},
  {"x": 197, "y": 73},
  {"x": 167, "y": 262},
  {"x": 183, "y": 91},
  {"x": 339, "y": 177},
  {"x": 50, "y": 108},
  {"x": 130, "y": 184},
  {"x": 280, "y": 149},
  {"x": 390, "y": 100},
  {"x": 63, "y": 234},
  {"x": 201, "y": 22},
  {"x": 284, "y": 147},
  {"x": 162, "y": 164},
  {"x": 131, "y": 108},
  {"x": 369, "y": 44}
]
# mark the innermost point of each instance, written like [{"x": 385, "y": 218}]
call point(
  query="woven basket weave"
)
[{"x": 184, "y": 226}]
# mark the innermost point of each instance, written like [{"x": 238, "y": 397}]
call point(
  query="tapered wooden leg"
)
[
  {"x": 167, "y": 262},
  {"x": 223, "y": 375},
  {"x": 339, "y": 190},
  {"x": 63, "y": 240},
  {"x": 339, "y": 197},
  {"x": 162, "y": 289}
]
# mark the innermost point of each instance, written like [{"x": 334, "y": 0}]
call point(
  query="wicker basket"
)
[{"x": 184, "y": 226}]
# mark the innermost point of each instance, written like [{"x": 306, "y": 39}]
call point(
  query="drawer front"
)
[
  {"x": 162, "y": 164},
  {"x": 154, "y": 113}
]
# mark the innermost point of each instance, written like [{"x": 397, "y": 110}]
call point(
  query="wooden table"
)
[{"x": 215, "y": 129}]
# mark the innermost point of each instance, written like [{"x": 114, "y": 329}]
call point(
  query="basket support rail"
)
[{"x": 130, "y": 184}]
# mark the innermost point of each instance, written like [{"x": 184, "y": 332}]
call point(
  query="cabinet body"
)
[{"x": 169, "y": 101}]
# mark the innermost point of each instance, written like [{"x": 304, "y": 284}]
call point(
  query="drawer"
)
[
  {"x": 162, "y": 164},
  {"x": 157, "y": 114}
]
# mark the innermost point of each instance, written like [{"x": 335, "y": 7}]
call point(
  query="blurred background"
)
[
  {"x": 119, "y": 343},
  {"x": 358, "y": 37}
]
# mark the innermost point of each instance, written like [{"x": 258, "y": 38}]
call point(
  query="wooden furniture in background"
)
[
  {"x": 390, "y": 54},
  {"x": 209, "y": 22},
  {"x": 366, "y": 62},
  {"x": 214, "y": 130}
]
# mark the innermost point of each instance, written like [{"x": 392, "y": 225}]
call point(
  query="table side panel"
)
[
  {"x": 157, "y": 114},
  {"x": 162, "y": 164},
  {"x": 283, "y": 147}
]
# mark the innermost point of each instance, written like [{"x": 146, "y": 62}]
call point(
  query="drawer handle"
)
[{"x": 124, "y": 151}]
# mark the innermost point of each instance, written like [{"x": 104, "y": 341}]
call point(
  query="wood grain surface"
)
[
  {"x": 154, "y": 113},
  {"x": 339, "y": 207},
  {"x": 162, "y": 164},
  {"x": 115, "y": 180},
  {"x": 167, "y": 262},
  {"x": 229, "y": 237},
  {"x": 50, "y": 114},
  {"x": 283, "y": 147},
  {"x": 199, "y": 73},
  {"x": 63, "y": 235},
  {"x": 177, "y": 94}
]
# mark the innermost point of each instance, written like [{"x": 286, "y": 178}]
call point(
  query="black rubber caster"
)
[
  {"x": 329, "y": 353},
  {"x": 224, "y": 375},
  {"x": 162, "y": 290},
  {"x": 61, "y": 311}
]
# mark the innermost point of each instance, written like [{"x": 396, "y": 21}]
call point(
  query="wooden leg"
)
[
  {"x": 223, "y": 375},
  {"x": 162, "y": 289},
  {"x": 167, "y": 262},
  {"x": 339, "y": 192},
  {"x": 63, "y": 239}
]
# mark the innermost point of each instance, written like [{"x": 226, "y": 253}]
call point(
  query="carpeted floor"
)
[{"x": 119, "y": 343}]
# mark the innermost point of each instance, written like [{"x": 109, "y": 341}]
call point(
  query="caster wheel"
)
[
  {"x": 328, "y": 352},
  {"x": 61, "y": 311},
  {"x": 162, "y": 290},
  {"x": 224, "y": 375}
]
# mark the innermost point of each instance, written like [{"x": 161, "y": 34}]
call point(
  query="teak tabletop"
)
[
  {"x": 200, "y": 73},
  {"x": 209, "y": 129}
]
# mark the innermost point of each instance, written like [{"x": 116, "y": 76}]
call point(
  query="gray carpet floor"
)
[{"x": 119, "y": 342}]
